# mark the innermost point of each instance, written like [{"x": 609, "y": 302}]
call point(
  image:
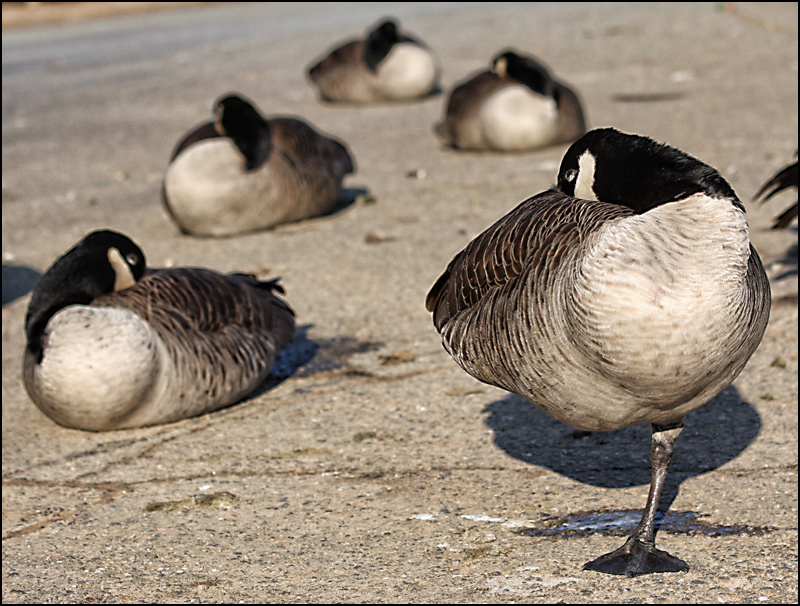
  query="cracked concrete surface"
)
[{"x": 379, "y": 471}]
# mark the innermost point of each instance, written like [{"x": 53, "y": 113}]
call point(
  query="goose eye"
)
[
  {"x": 132, "y": 259},
  {"x": 570, "y": 175}
]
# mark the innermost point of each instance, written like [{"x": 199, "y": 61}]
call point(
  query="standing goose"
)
[
  {"x": 629, "y": 293},
  {"x": 112, "y": 345},
  {"x": 387, "y": 65},
  {"x": 244, "y": 173},
  {"x": 516, "y": 105}
]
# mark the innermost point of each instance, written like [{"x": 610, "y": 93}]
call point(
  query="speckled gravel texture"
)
[{"x": 379, "y": 471}]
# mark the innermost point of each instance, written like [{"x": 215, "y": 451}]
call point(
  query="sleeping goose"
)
[
  {"x": 243, "y": 172},
  {"x": 516, "y": 105},
  {"x": 386, "y": 65},
  {"x": 112, "y": 345},
  {"x": 629, "y": 293}
]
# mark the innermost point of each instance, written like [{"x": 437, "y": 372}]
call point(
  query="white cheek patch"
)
[
  {"x": 584, "y": 182},
  {"x": 122, "y": 271}
]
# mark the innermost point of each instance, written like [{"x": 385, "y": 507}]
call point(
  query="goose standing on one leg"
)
[
  {"x": 517, "y": 105},
  {"x": 387, "y": 65},
  {"x": 627, "y": 294},
  {"x": 112, "y": 345},
  {"x": 244, "y": 173}
]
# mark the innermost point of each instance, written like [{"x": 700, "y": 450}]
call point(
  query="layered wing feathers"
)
[
  {"x": 307, "y": 150},
  {"x": 532, "y": 237}
]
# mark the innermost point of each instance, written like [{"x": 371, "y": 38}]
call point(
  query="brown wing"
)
[
  {"x": 206, "y": 303},
  {"x": 306, "y": 148},
  {"x": 572, "y": 123},
  {"x": 348, "y": 53},
  {"x": 472, "y": 92},
  {"x": 536, "y": 235},
  {"x": 464, "y": 103},
  {"x": 332, "y": 74},
  {"x": 221, "y": 332}
]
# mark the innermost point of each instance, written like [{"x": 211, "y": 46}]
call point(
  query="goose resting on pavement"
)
[
  {"x": 517, "y": 105},
  {"x": 386, "y": 65},
  {"x": 243, "y": 172},
  {"x": 113, "y": 345}
]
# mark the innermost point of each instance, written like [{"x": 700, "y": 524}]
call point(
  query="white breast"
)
[
  {"x": 408, "y": 71},
  {"x": 657, "y": 291},
  {"x": 100, "y": 363},
  {"x": 209, "y": 192},
  {"x": 515, "y": 118}
]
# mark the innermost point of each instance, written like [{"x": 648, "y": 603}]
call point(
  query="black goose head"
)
[
  {"x": 104, "y": 261},
  {"x": 526, "y": 70},
  {"x": 380, "y": 41},
  {"x": 239, "y": 120},
  {"x": 635, "y": 171}
]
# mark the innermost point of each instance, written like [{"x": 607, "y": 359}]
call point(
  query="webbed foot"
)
[{"x": 635, "y": 558}]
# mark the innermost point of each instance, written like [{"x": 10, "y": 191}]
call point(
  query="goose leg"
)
[{"x": 639, "y": 554}]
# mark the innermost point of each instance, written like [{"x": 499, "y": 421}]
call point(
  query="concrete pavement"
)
[{"x": 379, "y": 471}]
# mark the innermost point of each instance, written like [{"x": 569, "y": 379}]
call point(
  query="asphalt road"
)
[{"x": 379, "y": 471}]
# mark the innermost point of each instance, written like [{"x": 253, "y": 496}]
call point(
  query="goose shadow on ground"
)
[
  {"x": 304, "y": 357},
  {"x": 18, "y": 281},
  {"x": 347, "y": 198},
  {"x": 789, "y": 262},
  {"x": 714, "y": 434}
]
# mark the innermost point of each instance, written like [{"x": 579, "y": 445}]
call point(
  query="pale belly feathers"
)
[
  {"x": 102, "y": 366},
  {"x": 515, "y": 118},
  {"x": 408, "y": 71},
  {"x": 209, "y": 192}
]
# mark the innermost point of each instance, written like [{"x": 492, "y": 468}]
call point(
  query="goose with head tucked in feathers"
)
[
  {"x": 517, "y": 105},
  {"x": 243, "y": 172},
  {"x": 629, "y": 293},
  {"x": 113, "y": 345},
  {"x": 387, "y": 65}
]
